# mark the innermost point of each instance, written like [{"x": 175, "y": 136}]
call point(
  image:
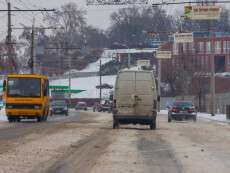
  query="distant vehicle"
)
[
  {"x": 59, "y": 107},
  {"x": 96, "y": 106},
  {"x": 135, "y": 98},
  {"x": 104, "y": 106},
  {"x": 26, "y": 97},
  {"x": 181, "y": 110},
  {"x": 81, "y": 106}
]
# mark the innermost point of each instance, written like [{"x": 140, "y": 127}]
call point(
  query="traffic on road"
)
[{"x": 114, "y": 86}]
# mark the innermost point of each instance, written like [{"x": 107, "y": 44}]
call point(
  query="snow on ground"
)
[
  {"x": 94, "y": 67},
  {"x": 217, "y": 117},
  {"x": 87, "y": 83},
  {"x": 3, "y": 115},
  {"x": 164, "y": 112}
]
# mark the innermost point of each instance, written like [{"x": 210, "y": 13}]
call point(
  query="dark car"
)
[
  {"x": 104, "y": 106},
  {"x": 182, "y": 110},
  {"x": 81, "y": 106},
  {"x": 59, "y": 107}
]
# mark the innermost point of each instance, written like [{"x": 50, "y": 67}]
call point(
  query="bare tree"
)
[{"x": 129, "y": 24}]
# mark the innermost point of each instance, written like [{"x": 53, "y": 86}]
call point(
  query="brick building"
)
[
  {"x": 197, "y": 55},
  {"x": 194, "y": 59}
]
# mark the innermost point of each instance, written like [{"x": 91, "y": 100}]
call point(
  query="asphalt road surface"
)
[{"x": 85, "y": 142}]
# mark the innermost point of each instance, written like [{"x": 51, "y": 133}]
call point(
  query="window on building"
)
[
  {"x": 226, "y": 46},
  {"x": 202, "y": 61},
  {"x": 219, "y": 64},
  {"x": 200, "y": 47},
  {"x": 191, "y": 47},
  {"x": 217, "y": 46},
  {"x": 175, "y": 49},
  {"x": 208, "y": 47}
]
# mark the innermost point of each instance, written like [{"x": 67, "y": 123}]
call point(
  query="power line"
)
[
  {"x": 28, "y": 10},
  {"x": 190, "y": 2}
]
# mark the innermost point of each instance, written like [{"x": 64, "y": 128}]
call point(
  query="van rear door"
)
[
  {"x": 125, "y": 89},
  {"x": 134, "y": 93},
  {"x": 144, "y": 91}
]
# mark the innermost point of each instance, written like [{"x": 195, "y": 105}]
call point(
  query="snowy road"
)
[{"x": 85, "y": 142}]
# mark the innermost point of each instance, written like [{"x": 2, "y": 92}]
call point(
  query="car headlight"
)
[
  {"x": 37, "y": 107},
  {"x": 10, "y": 106}
]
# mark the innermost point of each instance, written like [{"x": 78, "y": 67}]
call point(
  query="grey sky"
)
[{"x": 98, "y": 16}]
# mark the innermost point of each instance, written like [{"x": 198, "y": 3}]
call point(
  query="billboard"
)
[
  {"x": 183, "y": 37},
  {"x": 115, "y": 2},
  {"x": 205, "y": 12},
  {"x": 163, "y": 55}
]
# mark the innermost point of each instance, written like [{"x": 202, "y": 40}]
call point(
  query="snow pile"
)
[
  {"x": 94, "y": 67},
  {"x": 3, "y": 115},
  {"x": 87, "y": 83},
  {"x": 225, "y": 74},
  {"x": 163, "y": 112},
  {"x": 217, "y": 117}
]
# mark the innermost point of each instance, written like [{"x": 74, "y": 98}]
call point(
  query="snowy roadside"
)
[
  {"x": 3, "y": 115},
  {"x": 217, "y": 117}
]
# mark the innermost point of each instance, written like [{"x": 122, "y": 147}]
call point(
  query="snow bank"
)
[
  {"x": 87, "y": 83},
  {"x": 217, "y": 117},
  {"x": 94, "y": 67},
  {"x": 3, "y": 115},
  {"x": 163, "y": 112}
]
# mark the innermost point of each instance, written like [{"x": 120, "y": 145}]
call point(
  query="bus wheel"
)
[
  {"x": 18, "y": 119},
  {"x": 10, "y": 119},
  {"x": 39, "y": 119}
]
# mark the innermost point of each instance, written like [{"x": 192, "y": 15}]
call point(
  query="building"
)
[
  {"x": 197, "y": 55},
  {"x": 190, "y": 66}
]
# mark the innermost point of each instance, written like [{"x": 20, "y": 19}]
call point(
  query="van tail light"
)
[
  {"x": 190, "y": 110},
  {"x": 174, "y": 110},
  {"x": 114, "y": 103}
]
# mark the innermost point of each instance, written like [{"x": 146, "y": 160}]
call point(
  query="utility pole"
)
[
  {"x": 10, "y": 50},
  {"x": 32, "y": 60},
  {"x": 129, "y": 59},
  {"x": 9, "y": 40},
  {"x": 212, "y": 79},
  {"x": 159, "y": 77},
  {"x": 100, "y": 94}
]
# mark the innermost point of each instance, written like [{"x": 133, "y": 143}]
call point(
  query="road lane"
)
[
  {"x": 14, "y": 130},
  {"x": 89, "y": 144}
]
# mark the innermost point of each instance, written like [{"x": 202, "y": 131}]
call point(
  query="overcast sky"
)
[{"x": 98, "y": 16}]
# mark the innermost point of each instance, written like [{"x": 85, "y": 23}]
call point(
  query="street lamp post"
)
[{"x": 129, "y": 58}]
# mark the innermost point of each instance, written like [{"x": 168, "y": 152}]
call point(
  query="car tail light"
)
[
  {"x": 190, "y": 110},
  {"x": 114, "y": 103},
  {"x": 174, "y": 110}
]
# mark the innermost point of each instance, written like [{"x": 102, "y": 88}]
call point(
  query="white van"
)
[{"x": 135, "y": 98}]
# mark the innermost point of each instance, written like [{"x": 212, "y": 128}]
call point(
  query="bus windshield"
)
[{"x": 24, "y": 87}]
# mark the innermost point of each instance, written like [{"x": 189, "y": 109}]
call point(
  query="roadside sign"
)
[
  {"x": 163, "y": 55},
  {"x": 143, "y": 63},
  {"x": 205, "y": 12},
  {"x": 183, "y": 37}
]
